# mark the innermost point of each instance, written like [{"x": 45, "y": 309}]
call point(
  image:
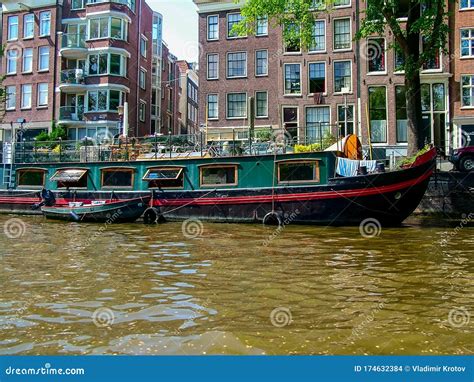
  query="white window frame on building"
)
[
  {"x": 27, "y": 60},
  {"x": 12, "y": 61},
  {"x": 383, "y": 133},
  {"x": 208, "y": 66},
  {"x": 142, "y": 79},
  {"x": 106, "y": 23},
  {"x": 335, "y": 22},
  {"x": 375, "y": 50},
  {"x": 45, "y": 23},
  {"x": 242, "y": 116},
  {"x": 291, "y": 93},
  {"x": 29, "y": 25},
  {"x": 257, "y": 108},
  {"x": 41, "y": 55},
  {"x": 325, "y": 76},
  {"x": 215, "y": 33},
  {"x": 261, "y": 29},
  {"x": 229, "y": 35},
  {"x": 334, "y": 76},
  {"x": 42, "y": 94},
  {"x": 10, "y": 101},
  {"x": 142, "y": 111},
  {"x": 12, "y": 29},
  {"x": 466, "y": 4},
  {"x": 26, "y": 89},
  {"x": 263, "y": 65},
  {"x": 234, "y": 67},
  {"x": 470, "y": 42},
  {"x": 470, "y": 88},
  {"x": 321, "y": 127},
  {"x": 143, "y": 46},
  {"x": 216, "y": 115},
  {"x": 315, "y": 48}
]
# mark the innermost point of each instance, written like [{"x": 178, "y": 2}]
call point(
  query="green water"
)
[{"x": 234, "y": 289}]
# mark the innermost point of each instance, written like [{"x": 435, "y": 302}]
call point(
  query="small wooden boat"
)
[{"x": 110, "y": 212}]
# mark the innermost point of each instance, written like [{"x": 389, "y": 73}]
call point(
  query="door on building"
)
[
  {"x": 290, "y": 121},
  {"x": 435, "y": 121}
]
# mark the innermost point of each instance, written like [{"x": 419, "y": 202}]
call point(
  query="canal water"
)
[{"x": 200, "y": 288}]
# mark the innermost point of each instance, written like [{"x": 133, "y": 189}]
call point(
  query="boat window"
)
[
  {"x": 219, "y": 175},
  {"x": 298, "y": 172},
  {"x": 117, "y": 177},
  {"x": 70, "y": 178},
  {"x": 164, "y": 177},
  {"x": 30, "y": 177}
]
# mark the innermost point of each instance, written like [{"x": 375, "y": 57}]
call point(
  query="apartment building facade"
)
[
  {"x": 78, "y": 63},
  {"x": 189, "y": 100},
  {"x": 337, "y": 86},
  {"x": 170, "y": 94}
]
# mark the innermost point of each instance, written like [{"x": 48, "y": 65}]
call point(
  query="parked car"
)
[{"x": 463, "y": 158}]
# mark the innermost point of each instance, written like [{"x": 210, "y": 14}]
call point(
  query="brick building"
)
[
  {"x": 336, "y": 86},
  {"x": 77, "y": 63},
  {"x": 188, "y": 102},
  {"x": 170, "y": 93}
]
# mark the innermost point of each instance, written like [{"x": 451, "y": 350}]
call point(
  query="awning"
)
[
  {"x": 68, "y": 175},
  {"x": 163, "y": 174}
]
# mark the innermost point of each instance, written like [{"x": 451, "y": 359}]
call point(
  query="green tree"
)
[{"x": 425, "y": 18}]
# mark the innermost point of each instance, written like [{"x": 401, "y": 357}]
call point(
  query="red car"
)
[{"x": 463, "y": 158}]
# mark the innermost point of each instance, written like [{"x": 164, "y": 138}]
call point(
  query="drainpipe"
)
[
  {"x": 59, "y": 15},
  {"x": 137, "y": 104},
  {"x": 359, "y": 107}
]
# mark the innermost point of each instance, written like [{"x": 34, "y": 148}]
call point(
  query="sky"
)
[{"x": 180, "y": 27}]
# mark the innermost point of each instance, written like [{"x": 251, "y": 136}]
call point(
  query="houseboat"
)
[{"x": 219, "y": 186}]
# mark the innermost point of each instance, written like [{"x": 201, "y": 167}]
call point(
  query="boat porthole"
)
[{"x": 398, "y": 195}]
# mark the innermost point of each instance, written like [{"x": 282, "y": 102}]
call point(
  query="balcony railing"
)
[
  {"x": 71, "y": 113},
  {"x": 73, "y": 40},
  {"x": 72, "y": 76}
]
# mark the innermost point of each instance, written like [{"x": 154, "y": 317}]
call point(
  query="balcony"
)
[
  {"x": 71, "y": 115},
  {"x": 72, "y": 81},
  {"x": 73, "y": 45}
]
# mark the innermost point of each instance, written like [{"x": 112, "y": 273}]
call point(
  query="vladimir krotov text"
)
[
  {"x": 408, "y": 369},
  {"x": 44, "y": 370}
]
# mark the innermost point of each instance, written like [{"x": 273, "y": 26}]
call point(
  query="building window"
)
[
  {"x": 319, "y": 37},
  {"x": 317, "y": 122},
  {"x": 142, "y": 111},
  {"x": 261, "y": 63},
  {"x": 213, "y": 27},
  {"x": 26, "y": 96},
  {"x": 292, "y": 79},
  {"x": 105, "y": 27},
  {"x": 142, "y": 79},
  {"x": 401, "y": 114},
  {"x": 12, "y": 58},
  {"x": 106, "y": 63},
  {"x": 232, "y": 19},
  {"x": 399, "y": 60},
  {"x": 97, "y": 100},
  {"x": 237, "y": 105},
  {"x": 467, "y": 91},
  {"x": 30, "y": 177},
  {"x": 237, "y": 64},
  {"x": 376, "y": 55},
  {"x": 27, "y": 60},
  {"x": 341, "y": 117},
  {"x": 165, "y": 177},
  {"x": 317, "y": 77},
  {"x": 117, "y": 177},
  {"x": 261, "y": 104},
  {"x": 28, "y": 25},
  {"x": 342, "y": 3},
  {"x": 432, "y": 63},
  {"x": 10, "y": 92},
  {"x": 115, "y": 99},
  {"x": 467, "y": 42},
  {"x": 342, "y": 34},
  {"x": 212, "y": 106},
  {"x": 218, "y": 175},
  {"x": 298, "y": 172},
  {"x": 292, "y": 38},
  {"x": 12, "y": 27},
  {"x": 212, "y": 66},
  {"x": 318, "y": 5},
  {"x": 117, "y": 28},
  {"x": 466, "y": 4},
  {"x": 43, "y": 58},
  {"x": 262, "y": 26},
  {"x": 45, "y": 23},
  {"x": 77, "y": 4},
  {"x": 43, "y": 94},
  {"x": 143, "y": 45},
  {"x": 378, "y": 113},
  {"x": 342, "y": 76}
]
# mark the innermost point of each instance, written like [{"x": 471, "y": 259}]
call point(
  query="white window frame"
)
[
  {"x": 306, "y": 107},
  {"x": 207, "y": 66},
  {"x": 227, "y": 26},
  {"x": 141, "y": 83},
  {"x": 470, "y": 5},
  {"x": 12, "y": 62},
  {"x": 23, "y": 86},
  {"x": 207, "y": 28},
  {"x": 30, "y": 56},
  {"x": 256, "y": 105},
  {"x": 144, "y": 52},
  {"x": 227, "y": 106},
  {"x": 43, "y": 21},
  {"x": 386, "y": 111},
  {"x": 38, "y": 97},
  {"x": 470, "y": 107},
  {"x": 325, "y": 38},
  {"x": 325, "y": 77},
  {"x": 334, "y": 34},
  {"x": 343, "y": 5},
  {"x": 82, "y": 7},
  {"x": 256, "y": 27},
  {"x": 10, "y": 102},
  {"x": 266, "y": 73},
  {"x": 334, "y": 77},
  {"x": 284, "y": 80},
  {"x": 10, "y": 25},
  {"x": 217, "y": 108},
  {"x": 227, "y": 65},
  {"x": 470, "y": 39},
  {"x": 39, "y": 58},
  {"x": 25, "y": 36},
  {"x": 123, "y": 65},
  {"x": 379, "y": 72},
  {"x": 142, "y": 111},
  {"x": 123, "y": 28}
]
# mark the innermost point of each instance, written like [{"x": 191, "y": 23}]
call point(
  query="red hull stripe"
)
[{"x": 294, "y": 197}]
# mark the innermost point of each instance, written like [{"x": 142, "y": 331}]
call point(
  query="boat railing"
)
[{"x": 103, "y": 148}]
